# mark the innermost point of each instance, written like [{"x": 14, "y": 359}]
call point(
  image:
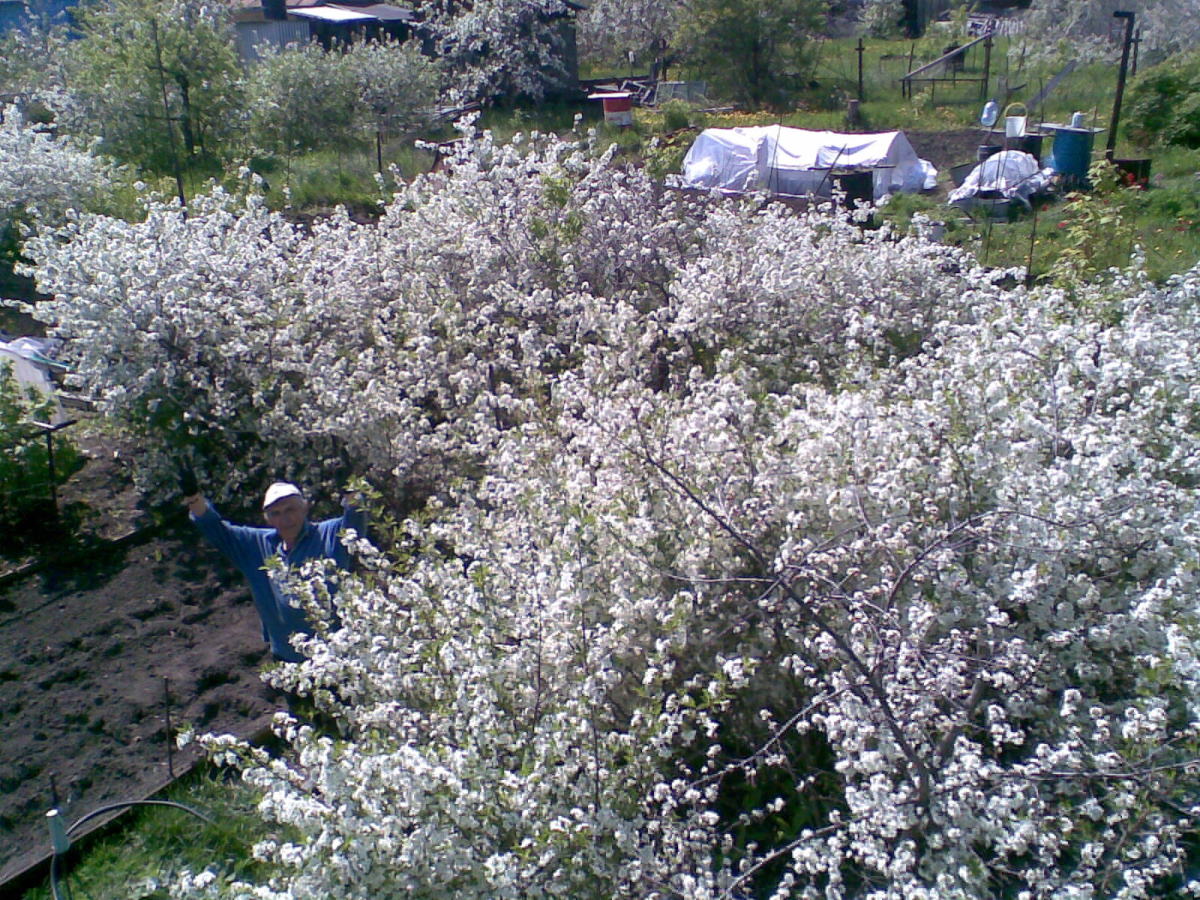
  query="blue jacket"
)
[{"x": 249, "y": 548}]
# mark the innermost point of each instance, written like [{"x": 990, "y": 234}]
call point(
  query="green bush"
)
[
  {"x": 1164, "y": 103},
  {"x": 676, "y": 115},
  {"x": 24, "y": 466}
]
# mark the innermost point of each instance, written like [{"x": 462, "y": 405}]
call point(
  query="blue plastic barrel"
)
[{"x": 1072, "y": 153}]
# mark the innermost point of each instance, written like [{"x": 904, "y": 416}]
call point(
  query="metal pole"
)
[
  {"x": 987, "y": 66},
  {"x": 859, "y": 50},
  {"x": 1128, "y": 16},
  {"x": 50, "y": 471},
  {"x": 170, "y": 741}
]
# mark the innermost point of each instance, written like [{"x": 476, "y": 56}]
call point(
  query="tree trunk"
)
[{"x": 185, "y": 115}]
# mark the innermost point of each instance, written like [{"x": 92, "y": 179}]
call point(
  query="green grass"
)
[
  {"x": 153, "y": 845},
  {"x": 348, "y": 176}
]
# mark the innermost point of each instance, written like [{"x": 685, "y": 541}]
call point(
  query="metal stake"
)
[{"x": 170, "y": 739}]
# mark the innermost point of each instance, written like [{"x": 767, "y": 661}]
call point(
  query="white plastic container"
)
[{"x": 991, "y": 110}]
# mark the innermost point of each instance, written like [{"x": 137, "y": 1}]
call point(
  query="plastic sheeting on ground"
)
[
  {"x": 1014, "y": 174},
  {"x": 796, "y": 162}
]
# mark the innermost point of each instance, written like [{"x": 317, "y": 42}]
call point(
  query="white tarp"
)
[
  {"x": 1013, "y": 173},
  {"x": 793, "y": 161},
  {"x": 30, "y": 366}
]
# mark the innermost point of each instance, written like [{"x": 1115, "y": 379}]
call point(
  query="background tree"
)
[
  {"x": 881, "y": 18},
  {"x": 157, "y": 80},
  {"x": 493, "y": 49},
  {"x": 1075, "y": 28},
  {"x": 613, "y": 29},
  {"x": 32, "y": 60},
  {"x": 397, "y": 88},
  {"x": 302, "y": 98},
  {"x": 753, "y": 52}
]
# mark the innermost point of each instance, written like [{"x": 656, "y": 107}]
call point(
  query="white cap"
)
[{"x": 278, "y": 491}]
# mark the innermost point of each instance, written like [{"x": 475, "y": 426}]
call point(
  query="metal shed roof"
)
[
  {"x": 331, "y": 14},
  {"x": 385, "y": 12}
]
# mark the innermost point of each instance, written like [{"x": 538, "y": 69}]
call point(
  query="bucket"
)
[
  {"x": 986, "y": 150},
  {"x": 991, "y": 205},
  {"x": 1072, "y": 154},
  {"x": 1014, "y": 121},
  {"x": 618, "y": 107}
]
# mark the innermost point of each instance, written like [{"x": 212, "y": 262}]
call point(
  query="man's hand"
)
[{"x": 190, "y": 488}]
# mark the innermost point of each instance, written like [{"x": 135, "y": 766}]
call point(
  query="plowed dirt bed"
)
[{"x": 100, "y": 643}]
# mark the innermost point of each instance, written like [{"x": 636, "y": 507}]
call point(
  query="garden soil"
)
[{"x": 115, "y": 632}]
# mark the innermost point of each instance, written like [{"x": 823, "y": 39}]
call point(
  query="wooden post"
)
[{"x": 162, "y": 82}]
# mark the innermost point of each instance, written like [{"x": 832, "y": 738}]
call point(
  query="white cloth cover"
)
[
  {"x": 1014, "y": 174},
  {"x": 792, "y": 161}
]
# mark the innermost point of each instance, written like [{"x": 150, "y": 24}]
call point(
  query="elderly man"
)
[{"x": 292, "y": 539}]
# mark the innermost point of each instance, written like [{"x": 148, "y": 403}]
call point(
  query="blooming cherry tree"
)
[
  {"x": 42, "y": 176},
  {"x": 616, "y": 29},
  {"x": 740, "y": 551},
  {"x": 501, "y": 48},
  {"x": 1167, "y": 26}
]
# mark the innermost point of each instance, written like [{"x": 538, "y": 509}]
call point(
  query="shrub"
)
[
  {"x": 676, "y": 115},
  {"x": 24, "y": 463},
  {"x": 1164, "y": 104}
]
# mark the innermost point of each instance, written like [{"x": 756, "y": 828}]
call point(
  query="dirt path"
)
[{"x": 92, "y": 644}]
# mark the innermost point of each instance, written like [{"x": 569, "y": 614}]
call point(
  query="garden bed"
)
[{"x": 97, "y": 631}]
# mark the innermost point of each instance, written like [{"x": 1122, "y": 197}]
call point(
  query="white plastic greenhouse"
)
[{"x": 795, "y": 162}]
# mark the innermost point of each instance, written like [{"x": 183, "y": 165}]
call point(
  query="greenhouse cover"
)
[{"x": 795, "y": 162}]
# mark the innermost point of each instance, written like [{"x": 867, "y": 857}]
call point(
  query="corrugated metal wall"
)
[{"x": 277, "y": 34}]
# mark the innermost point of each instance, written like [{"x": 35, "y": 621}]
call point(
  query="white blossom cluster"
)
[
  {"x": 500, "y": 48},
  {"x": 615, "y": 28},
  {"x": 762, "y": 554},
  {"x": 42, "y": 175}
]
